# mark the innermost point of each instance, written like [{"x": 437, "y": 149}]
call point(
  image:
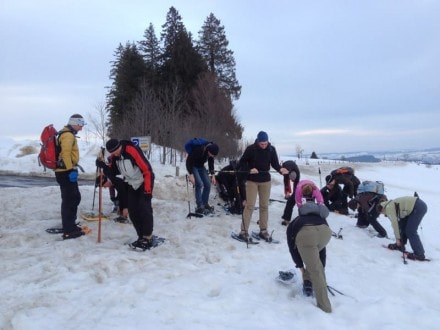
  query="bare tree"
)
[
  {"x": 98, "y": 122},
  {"x": 299, "y": 151}
]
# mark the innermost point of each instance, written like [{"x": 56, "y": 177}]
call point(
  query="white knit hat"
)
[{"x": 76, "y": 119}]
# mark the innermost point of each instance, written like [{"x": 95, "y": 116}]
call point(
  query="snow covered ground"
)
[{"x": 201, "y": 278}]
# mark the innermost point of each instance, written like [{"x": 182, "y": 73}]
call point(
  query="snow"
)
[{"x": 201, "y": 278}]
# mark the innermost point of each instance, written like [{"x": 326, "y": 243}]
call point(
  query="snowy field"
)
[{"x": 201, "y": 278}]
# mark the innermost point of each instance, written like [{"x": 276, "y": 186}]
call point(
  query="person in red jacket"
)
[{"x": 129, "y": 161}]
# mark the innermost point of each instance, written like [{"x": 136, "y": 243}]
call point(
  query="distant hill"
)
[
  {"x": 363, "y": 159},
  {"x": 426, "y": 156}
]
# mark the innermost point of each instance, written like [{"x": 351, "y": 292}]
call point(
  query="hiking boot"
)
[
  {"x": 200, "y": 210},
  {"x": 285, "y": 222},
  {"x": 265, "y": 235},
  {"x": 394, "y": 246},
  {"x": 382, "y": 235},
  {"x": 142, "y": 243},
  {"x": 121, "y": 219},
  {"x": 244, "y": 236},
  {"x": 413, "y": 256},
  {"x": 307, "y": 288},
  {"x": 74, "y": 234},
  {"x": 208, "y": 209}
]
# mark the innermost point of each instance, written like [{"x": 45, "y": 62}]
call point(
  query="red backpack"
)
[{"x": 50, "y": 148}]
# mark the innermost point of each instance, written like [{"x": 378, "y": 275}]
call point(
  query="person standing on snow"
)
[
  {"x": 198, "y": 176},
  {"x": 257, "y": 159},
  {"x": 66, "y": 175}
]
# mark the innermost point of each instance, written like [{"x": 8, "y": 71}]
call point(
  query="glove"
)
[
  {"x": 148, "y": 196},
  {"x": 99, "y": 163},
  {"x": 352, "y": 204},
  {"x": 73, "y": 176}
]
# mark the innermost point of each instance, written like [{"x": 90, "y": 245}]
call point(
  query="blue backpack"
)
[
  {"x": 190, "y": 144},
  {"x": 376, "y": 187}
]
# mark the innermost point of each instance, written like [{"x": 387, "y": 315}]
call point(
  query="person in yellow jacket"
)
[
  {"x": 405, "y": 214},
  {"x": 66, "y": 175}
]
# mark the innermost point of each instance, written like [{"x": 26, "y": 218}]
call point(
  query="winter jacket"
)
[
  {"x": 134, "y": 167},
  {"x": 197, "y": 158},
  {"x": 69, "y": 154},
  {"x": 350, "y": 182},
  {"x": 405, "y": 208},
  {"x": 261, "y": 159},
  {"x": 316, "y": 193},
  {"x": 334, "y": 199},
  {"x": 291, "y": 166}
]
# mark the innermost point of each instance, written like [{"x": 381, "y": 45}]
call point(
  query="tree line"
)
[{"x": 174, "y": 88}]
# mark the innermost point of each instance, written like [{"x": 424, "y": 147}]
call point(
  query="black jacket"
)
[
  {"x": 261, "y": 159},
  {"x": 198, "y": 158}
]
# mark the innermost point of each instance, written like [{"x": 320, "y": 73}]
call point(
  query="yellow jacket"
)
[{"x": 69, "y": 153}]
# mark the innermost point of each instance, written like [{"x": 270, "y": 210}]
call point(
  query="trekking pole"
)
[
  {"x": 100, "y": 199},
  {"x": 331, "y": 289},
  {"x": 100, "y": 206},
  {"x": 277, "y": 200},
  {"x": 320, "y": 181},
  {"x": 94, "y": 192}
]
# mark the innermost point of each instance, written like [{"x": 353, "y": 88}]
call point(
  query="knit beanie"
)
[
  {"x": 112, "y": 145},
  {"x": 76, "y": 119},
  {"x": 328, "y": 179},
  {"x": 262, "y": 137},
  {"x": 212, "y": 148}
]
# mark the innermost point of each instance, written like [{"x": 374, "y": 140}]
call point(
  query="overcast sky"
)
[{"x": 329, "y": 76}]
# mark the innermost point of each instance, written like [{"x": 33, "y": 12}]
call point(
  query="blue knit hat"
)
[
  {"x": 213, "y": 149},
  {"x": 262, "y": 137}
]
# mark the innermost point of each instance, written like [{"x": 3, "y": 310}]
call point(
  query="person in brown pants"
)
[
  {"x": 307, "y": 237},
  {"x": 257, "y": 160}
]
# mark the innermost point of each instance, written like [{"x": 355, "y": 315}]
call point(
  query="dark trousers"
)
[
  {"x": 364, "y": 220},
  {"x": 70, "y": 199},
  {"x": 412, "y": 224},
  {"x": 141, "y": 211},
  {"x": 288, "y": 209}
]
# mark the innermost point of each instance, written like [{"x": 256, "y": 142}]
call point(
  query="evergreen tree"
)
[
  {"x": 181, "y": 63},
  {"x": 152, "y": 52},
  {"x": 128, "y": 71},
  {"x": 213, "y": 46}
]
